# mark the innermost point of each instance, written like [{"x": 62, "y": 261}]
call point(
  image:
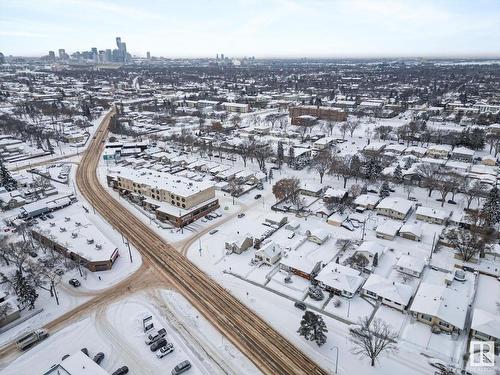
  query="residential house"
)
[
  {"x": 300, "y": 265},
  {"x": 411, "y": 231},
  {"x": 396, "y": 208},
  {"x": 410, "y": 265},
  {"x": 388, "y": 230},
  {"x": 438, "y": 151},
  {"x": 485, "y": 326},
  {"x": 269, "y": 253},
  {"x": 390, "y": 293},
  {"x": 463, "y": 154},
  {"x": 437, "y": 305},
  {"x": 335, "y": 195},
  {"x": 340, "y": 280},
  {"x": 432, "y": 215},
  {"x": 367, "y": 201},
  {"x": 240, "y": 244},
  {"x": 370, "y": 250}
]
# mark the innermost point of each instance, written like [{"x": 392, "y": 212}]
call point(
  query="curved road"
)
[{"x": 264, "y": 346}]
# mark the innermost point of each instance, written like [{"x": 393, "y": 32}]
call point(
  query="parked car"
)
[
  {"x": 85, "y": 351},
  {"x": 121, "y": 371},
  {"x": 33, "y": 254},
  {"x": 300, "y": 305},
  {"x": 99, "y": 357},
  {"x": 50, "y": 216},
  {"x": 213, "y": 231},
  {"x": 165, "y": 350},
  {"x": 257, "y": 196},
  {"x": 181, "y": 367},
  {"x": 155, "y": 335},
  {"x": 64, "y": 357},
  {"x": 158, "y": 344},
  {"x": 291, "y": 235},
  {"x": 59, "y": 271},
  {"x": 74, "y": 283},
  {"x": 241, "y": 215}
]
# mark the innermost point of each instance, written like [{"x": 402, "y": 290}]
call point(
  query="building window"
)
[
  {"x": 183, "y": 205},
  {"x": 173, "y": 201},
  {"x": 426, "y": 317},
  {"x": 443, "y": 324},
  {"x": 183, "y": 199},
  {"x": 177, "y": 198}
]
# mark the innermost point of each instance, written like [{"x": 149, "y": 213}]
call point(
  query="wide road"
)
[{"x": 264, "y": 346}]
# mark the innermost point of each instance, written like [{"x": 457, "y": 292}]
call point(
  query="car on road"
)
[
  {"x": 99, "y": 357},
  {"x": 121, "y": 371},
  {"x": 213, "y": 231},
  {"x": 300, "y": 305},
  {"x": 74, "y": 283},
  {"x": 257, "y": 196},
  {"x": 158, "y": 344},
  {"x": 181, "y": 367},
  {"x": 165, "y": 350},
  {"x": 59, "y": 271},
  {"x": 291, "y": 235},
  {"x": 50, "y": 216},
  {"x": 241, "y": 215}
]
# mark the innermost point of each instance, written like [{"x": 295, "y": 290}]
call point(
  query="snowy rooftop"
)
[
  {"x": 486, "y": 322},
  {"x": 391, "y": 290},
  {"x": 411, "y": 263},
  {"x": 444, "y": 303},
  {"x": 340, "y": 277},
  {"x": 396, "y": 204},
  {"x": 76, "y": 234},
  {"x": 389, "y": 227},
  {"x": 299, "y": 262},
  {"x": 366, "y": 199},
  {"x": 162, "y": 180},
  {"x": 77, "y": 364},
  {"x": 433, "y": 212}
]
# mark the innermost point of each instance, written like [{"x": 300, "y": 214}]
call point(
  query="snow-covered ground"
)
[{"x": 116, "y": 330}]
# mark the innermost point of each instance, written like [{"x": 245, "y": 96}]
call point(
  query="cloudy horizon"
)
[{"x": 264, "y": 29}]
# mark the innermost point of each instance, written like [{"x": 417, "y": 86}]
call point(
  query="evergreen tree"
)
[
  {"x": 375, "y": 260},
  {"x": 384, "y": 190},
  {"x": 491, "y": 208},
  {"x": 408, "y": 163},
  {"x": 398, "y": 174},
  {"x": 270, "y": 174},
  {"x": 6, "y": 178},
  {"x": 280, "y": 154},
  {"x": 49, "y": 146},
  {"x": 313, "y": 328},
  {"x": 25, "y": 291},
  {"x": 291, "y": 156}
]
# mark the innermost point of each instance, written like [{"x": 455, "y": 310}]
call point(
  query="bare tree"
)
[
  {"x": 322, "y": 163},
  {"x": 288, "y": 189},
  {"x": 343, "y": 128},
  {"x": 372, "y": 339},
  {"x": 428, "y": 173},
  {"x": 246, "y": 150},
  {"x": 352, "y": 125},
  {"x": 445, "y": 184}
]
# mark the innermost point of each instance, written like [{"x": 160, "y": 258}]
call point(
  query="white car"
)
[{"x": 165, "y": 350}]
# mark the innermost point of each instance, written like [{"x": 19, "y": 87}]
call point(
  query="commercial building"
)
[
  {"x": 78, "y": 239},
  {"x": 176, "y": 199},
  {"x": 321, "y": 113}
]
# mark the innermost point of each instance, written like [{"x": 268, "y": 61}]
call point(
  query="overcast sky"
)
[{"x": 263, "y": 28}]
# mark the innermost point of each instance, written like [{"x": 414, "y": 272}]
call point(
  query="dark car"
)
[
  {"x": 85, "y": 351},
  {"x": 64, "y": 357},
  {"x": 99, "y": 357},
  {"x": 158, "y": 344},
  {"x": 300, "y": 305},
  {"x": 121, "y": 371},
  {"x": 257, "y": 196},
  {"x": 181, "y": 367},
  {"x": 241, "y": 215},
  {"x": 75, "y": 283}
]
